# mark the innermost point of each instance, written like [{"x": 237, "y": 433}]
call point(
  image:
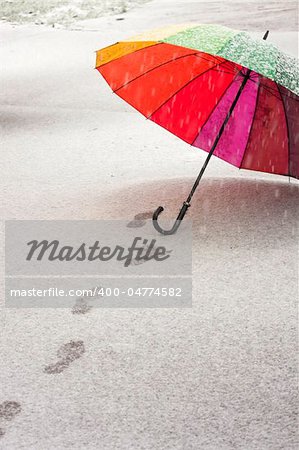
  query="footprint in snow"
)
[
  {"x": 140, "y": 219},
  {"x": 66, "y": 354},
  {"x": 81, "y": 306},
  {"x": 8, "y": 410}
]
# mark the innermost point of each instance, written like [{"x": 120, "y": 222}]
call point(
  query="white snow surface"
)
[
  {"x": 61, "y": 13},
  {"x": 220, "y": 375}
]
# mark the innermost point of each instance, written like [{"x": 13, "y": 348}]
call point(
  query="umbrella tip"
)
[{"x": 266, "y": 35}]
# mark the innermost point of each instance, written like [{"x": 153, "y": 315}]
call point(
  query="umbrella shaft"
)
[{"x": 246, "y": 77}]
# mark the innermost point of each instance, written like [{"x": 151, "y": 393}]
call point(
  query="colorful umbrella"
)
[{"x": 217, "y": 89}]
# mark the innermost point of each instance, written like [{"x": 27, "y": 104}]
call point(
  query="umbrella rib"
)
[
  {"x": 267, "y": 89},
  {"x": 225, "y": 71},
  {"x": 182, "y": 87},
  {"x": 253, "y": 119},
  {"x": 272, "y": 91},
  {"x": 284, "y": 95},
  {"x": 152, "y": 69},
  {"x": 234, "y": 64},
  {"x": 213, "y": 109},
  {"x": 123, "y": 56},
  {"x": 221, "y": 60},
  {"x": 288, "y": 132},
  {"x": 198, "y": 54},
  {"x": 160, "y": 65}
]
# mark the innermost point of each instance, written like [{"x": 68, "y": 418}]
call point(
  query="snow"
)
[
  {"x": 61, "y": 13},
  {"x": 219, "y": 375}
]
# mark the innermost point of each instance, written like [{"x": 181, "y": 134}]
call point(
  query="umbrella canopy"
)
[
  {"x": 217, "y": 89},
  {"x": 189, "y": 92}
]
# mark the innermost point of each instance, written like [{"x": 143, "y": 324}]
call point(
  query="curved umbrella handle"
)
[{"x": 176, "y": 224}]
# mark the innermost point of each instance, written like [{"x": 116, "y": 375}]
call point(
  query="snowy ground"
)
[
  {"x": 221, "y": 375},
  {"x": 61, "y": 13}
]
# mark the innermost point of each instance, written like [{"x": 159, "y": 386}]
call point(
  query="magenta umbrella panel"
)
[{"x": 267, "y": 141}]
